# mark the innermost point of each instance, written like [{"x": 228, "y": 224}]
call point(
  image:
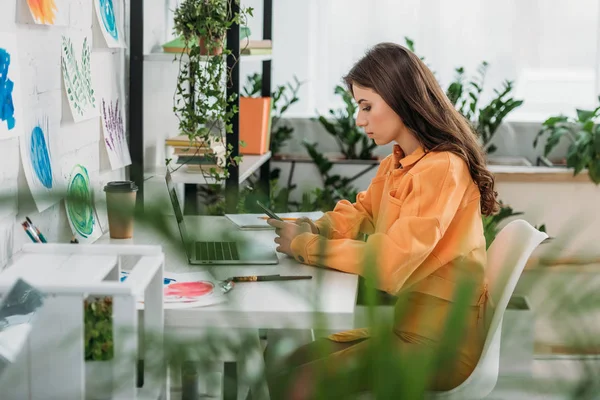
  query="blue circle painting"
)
[
  {"x": 40, "y": 159},
  {"x": 108, "y": 18}
]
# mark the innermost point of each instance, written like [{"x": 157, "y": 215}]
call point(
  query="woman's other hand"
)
[
  {"x": 314, "y": 228},
  {"x": 286, "y": 232}
]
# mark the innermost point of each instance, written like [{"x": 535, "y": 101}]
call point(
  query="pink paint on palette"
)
[{"x": 185, "y": 292}]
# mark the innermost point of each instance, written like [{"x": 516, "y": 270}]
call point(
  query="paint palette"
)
[{"x": 196, "y": 289}]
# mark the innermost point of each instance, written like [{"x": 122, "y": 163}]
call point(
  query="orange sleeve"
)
[
  {"x": 429, "y": 202},
  {"x": 347, "y": 219}
]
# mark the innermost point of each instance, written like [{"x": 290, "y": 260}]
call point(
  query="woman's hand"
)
[
  {"x": 314, "y": 228},
  {"x": 286, "y": 232}
]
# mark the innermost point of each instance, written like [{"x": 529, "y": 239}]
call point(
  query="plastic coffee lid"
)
[{"x": 120, "y": 186}]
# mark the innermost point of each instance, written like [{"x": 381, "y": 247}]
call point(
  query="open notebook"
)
[{"x": 259, "y": 221}]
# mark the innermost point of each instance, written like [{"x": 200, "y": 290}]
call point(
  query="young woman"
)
[{"x": 422, "y": 214}]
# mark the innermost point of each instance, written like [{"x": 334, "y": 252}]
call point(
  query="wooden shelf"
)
[
  {"x": 248, "y": 166},
  {"x": 170, "y": 57}
]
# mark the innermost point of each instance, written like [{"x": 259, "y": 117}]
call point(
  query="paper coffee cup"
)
[{"x": 120, "y": 204}]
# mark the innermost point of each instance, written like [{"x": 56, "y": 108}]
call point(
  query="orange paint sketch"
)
[{"x": 43, "y": 11}]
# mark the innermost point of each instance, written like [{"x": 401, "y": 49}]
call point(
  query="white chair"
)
[{"x": 507, "y": 256}]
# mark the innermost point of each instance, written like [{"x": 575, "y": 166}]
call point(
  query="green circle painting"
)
[{"x": 79, "y": 201}]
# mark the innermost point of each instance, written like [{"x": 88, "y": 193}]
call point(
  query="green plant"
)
[
  {"x": 465, "y": 95},
  {"x": 200, "y": 100},
  {"x": 207, "y": 19},
  {"x": 491, "y": 223},
  {"x": 281, "y": 99},
  {"x": 98, "y": 329},
  {"x": 352, "y": 142},
  {"x": 584, "y": 135},
  {"x": 335, "y": 187}
]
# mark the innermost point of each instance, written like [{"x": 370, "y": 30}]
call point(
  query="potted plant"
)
[
  {"x": 255, "y": 118},
  {"x": 203, "y": 23},
  {"x": 98, "y": 337},
  {"x": 583, "y": 132},
  {"x": 281, "y": 99},
  {"x": 200, "y": 101}
]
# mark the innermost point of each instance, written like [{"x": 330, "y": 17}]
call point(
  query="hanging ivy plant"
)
[{"x": 200, "y": 100}]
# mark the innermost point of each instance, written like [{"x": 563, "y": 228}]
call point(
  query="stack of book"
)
[
  {"x": 197, "y": 156},
  {"x": 253, "y": 47}
]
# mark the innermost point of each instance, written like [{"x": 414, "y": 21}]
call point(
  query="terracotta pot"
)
[
  {"x": 255, "y": 124},
  {"x": 203, "y": 43}
]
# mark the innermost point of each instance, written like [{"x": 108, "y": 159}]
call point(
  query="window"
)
[{"x": 548, "y": 47}]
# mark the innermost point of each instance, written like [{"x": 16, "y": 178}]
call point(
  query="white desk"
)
[{"x": 330, "y": 297}]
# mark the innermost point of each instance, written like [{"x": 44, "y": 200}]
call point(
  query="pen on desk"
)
[
  {"x": 268, "y": 278},
  {"x": 37, "y": 231},
  {"x": 282, "y": 218}
]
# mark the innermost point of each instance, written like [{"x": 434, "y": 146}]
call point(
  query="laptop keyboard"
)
[{"x": 219, "y": 251}]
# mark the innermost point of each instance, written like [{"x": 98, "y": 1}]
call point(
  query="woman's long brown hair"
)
[{"x": 411, "y": 90}]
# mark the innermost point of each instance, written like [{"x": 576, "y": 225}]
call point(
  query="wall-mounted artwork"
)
[
  {"x": 43, "y": 12},
  {"x": 39, "y": 168},
  {"x": 77, "y": 77},
  {"x": 114, "y": 134},
  {"x": 79, "y": 205},
  {"x": 10, "y": 87},
  {"x": 108, "y": 22}
]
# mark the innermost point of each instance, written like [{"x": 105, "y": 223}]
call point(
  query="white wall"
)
[
  {"x": 39, "y": 50},
  {"x": 548, "y": 47}
]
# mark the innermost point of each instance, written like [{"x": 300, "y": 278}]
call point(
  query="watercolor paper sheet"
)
[
  {"x": 44, "y": 12},
  {"x": 77, "y": 78},
  {"x": 38, "y": 164},
  {"x": 114, "y": 133},
  {"x": 108, "y": 23},
  {"x": 79, "y": 205},
  {"x": 188, "y": 290},
  {"x": 10, "y": 88}
]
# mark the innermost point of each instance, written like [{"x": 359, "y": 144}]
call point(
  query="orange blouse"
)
[{"x": 422, "y": 215}]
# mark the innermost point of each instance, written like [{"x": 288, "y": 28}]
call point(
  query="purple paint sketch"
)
[
  {"x": 115, "y": 131},
  {"x": 7, "y": 108}
]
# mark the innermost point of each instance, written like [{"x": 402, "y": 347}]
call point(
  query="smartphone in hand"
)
[{"x": 267, "y": 211}]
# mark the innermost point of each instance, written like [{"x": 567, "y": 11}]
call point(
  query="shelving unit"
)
[
  {"x": 169, "y": 57},
  {"x": 249, "y": 164}
]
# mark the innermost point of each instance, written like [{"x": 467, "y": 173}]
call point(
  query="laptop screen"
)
[
  {"x": 177, "y": 210},
  {"x": 17, "y": 311}
]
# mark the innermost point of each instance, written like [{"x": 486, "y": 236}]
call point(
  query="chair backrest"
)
[{"x": 506, "y": 259}]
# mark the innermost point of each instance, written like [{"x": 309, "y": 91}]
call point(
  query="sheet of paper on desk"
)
[
  {"x": 258, "y": 221},
  {"x": 188, "y": 290}
]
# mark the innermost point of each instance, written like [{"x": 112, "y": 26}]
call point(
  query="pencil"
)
[
  {"x": 283, "y": 218},
  {"x": 268, "y": 278}
]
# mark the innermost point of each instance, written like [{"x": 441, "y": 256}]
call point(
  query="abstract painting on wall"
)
[
  {"x": 107, "y": 20},
  {"x": 10, "y": 87},
  {"x": 114, "y": 134},
  {"x": 46, "y": 12},
  {"x": 77, "y": 77},
  {"x": 38, "y": 166},
  {"x": 79, "y": 205}
]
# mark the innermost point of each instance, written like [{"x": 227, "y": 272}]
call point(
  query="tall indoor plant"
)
[
  {"x": 583, "y": 132},
  {"x": 200, "y": 101}
]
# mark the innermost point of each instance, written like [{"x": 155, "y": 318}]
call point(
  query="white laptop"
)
[{"x": 219, "y": 252}]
